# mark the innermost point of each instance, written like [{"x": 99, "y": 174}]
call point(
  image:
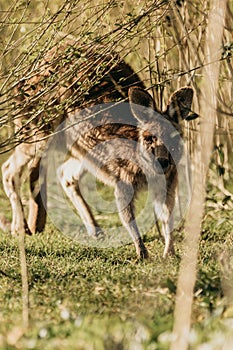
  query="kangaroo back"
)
[{"x": 67, "y": 77}]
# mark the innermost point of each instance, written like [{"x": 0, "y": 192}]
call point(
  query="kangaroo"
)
[{"x": 125, "y": 145}]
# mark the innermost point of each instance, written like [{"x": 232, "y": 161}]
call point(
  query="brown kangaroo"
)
[{"x": 125, "y": 145}]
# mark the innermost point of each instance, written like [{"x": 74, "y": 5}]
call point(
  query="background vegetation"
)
[{"x": 90, "y": 298}]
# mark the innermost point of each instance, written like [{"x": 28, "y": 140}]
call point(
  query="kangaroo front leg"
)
[
  {"x": 68, "y": 174},
  {"x": 4, "y": 224},
  {"x": 164, "y": 211},
  {"x": 165, "y": 214},
  {"x": 11, "y": 176},
  {"x": 167, "y": 228},
  {"x": 124, "y": 199}
]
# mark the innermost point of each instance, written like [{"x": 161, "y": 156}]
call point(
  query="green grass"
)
[
  {"x": 94, "y": 298},
  {"x": 90, "y": 298}
]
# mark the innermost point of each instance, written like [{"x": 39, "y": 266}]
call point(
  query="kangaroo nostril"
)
[{"x": 163, "y": 162}]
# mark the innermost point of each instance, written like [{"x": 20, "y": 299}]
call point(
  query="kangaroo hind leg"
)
[
  {"x": 68, "y": 174},
  {"x": 37, "y": 201},
  {"x": 12, "y": 171}
]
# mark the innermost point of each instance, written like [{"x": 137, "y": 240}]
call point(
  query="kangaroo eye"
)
[{"x": 150, "y": 139}]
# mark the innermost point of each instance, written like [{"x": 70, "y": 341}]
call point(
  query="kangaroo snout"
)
[
  {"x": 164, "y": 162},
  {"x": 161, "y": 165}
]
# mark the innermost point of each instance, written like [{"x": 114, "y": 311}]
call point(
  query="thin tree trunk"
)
[{"x": 208, "y": 107}]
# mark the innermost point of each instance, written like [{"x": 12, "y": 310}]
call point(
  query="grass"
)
[
  {"x": 104, "y": 298},
  {"x": 90, "y": 298}
]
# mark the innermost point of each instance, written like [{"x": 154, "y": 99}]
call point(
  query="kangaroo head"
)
[{"x": 159, "y": 132}]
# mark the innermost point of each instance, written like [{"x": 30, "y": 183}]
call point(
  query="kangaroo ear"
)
[
  {"x": 141, "y": 103},
  {"x": 180, "y": 104}
]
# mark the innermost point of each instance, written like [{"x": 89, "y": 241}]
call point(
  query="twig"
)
[{"x": 24, "y": 277}]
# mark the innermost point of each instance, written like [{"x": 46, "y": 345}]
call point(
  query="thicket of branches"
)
[{"x": 163, "y": 41}]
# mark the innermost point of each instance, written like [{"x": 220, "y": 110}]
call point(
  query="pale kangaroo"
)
[{"x": 124, "y": 146}]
